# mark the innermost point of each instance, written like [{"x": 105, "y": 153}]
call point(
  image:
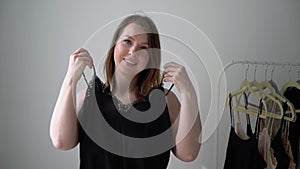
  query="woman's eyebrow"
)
[
  {"x": 144, "y": 43},
  {"x": 127, "y": 36},
  {"x": 130, "y": 37}
]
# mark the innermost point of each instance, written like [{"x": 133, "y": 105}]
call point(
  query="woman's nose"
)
[{"x": 133, "y": 49}]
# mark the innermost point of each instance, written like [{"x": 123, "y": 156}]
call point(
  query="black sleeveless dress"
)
[
  {"x": 94, "y": 156},
  {"x": 243, "y": 154}
]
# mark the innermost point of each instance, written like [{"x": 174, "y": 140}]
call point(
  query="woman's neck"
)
[{"x": 123, "y": 89}]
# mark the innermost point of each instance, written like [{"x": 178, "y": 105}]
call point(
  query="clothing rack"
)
[{"x": 244, "y": 62}]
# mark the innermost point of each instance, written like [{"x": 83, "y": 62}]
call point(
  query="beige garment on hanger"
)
[
  {"x": 287, "y": 145},
  {"x": 264, "y": 143},
  {"x": 239, "y": 130}
]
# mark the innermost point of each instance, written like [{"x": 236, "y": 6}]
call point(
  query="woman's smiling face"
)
[{"x": 130, "y": 52}]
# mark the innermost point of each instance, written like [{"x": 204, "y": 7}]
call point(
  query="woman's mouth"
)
[{"x": 130, "y": 62}]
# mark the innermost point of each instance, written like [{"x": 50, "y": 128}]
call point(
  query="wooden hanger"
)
[
  {"x": 275, "y": 96},
  {"x": 245, "y": 87},
  {"x": 290, "y": 83},
  {"x": 281, "y": 99},
  {"x": 259, "y": 88}
]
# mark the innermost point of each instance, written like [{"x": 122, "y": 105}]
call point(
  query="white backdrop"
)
[{"x": 37, "y": 37}]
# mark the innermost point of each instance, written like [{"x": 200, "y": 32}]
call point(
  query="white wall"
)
[{"x": 36, "y": 38}]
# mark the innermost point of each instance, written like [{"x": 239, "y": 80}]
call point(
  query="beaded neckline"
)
[{"x": 120, "y": 106}]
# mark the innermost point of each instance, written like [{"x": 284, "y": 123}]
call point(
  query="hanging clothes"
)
[
  {"x": 283, "y": 155},
  {"x": 279, "y": 149},
  {"x": 287, "y": 145},
  {"x": 239, "y": 130},
  {"x": 283, "y": 150},
  {"x": 264, "y": 143},
  {"x": 243, "y": 154},
  {"x": 293, "y": 94}
]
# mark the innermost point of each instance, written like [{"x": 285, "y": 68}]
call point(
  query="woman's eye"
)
[
  {"x": 127, "y": 41},
  {"x": 143, "y": 47}
]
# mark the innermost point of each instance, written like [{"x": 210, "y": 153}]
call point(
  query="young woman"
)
[{"x": 130, "y": 57}]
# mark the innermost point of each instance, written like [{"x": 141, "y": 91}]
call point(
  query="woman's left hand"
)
[{"x": 177, "y": 74}]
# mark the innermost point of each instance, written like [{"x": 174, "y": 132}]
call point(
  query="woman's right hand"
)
[
  {"x": 64, "y": 121},
  {"x": 78, "y": 61}
]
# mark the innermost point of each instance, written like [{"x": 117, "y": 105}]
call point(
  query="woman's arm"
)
[
  {"x": 64, "y": 123},
  {"x": 63, "y": 126},
  {"x": 187, "y": 128},
  {"x": 188, "y": 125}
]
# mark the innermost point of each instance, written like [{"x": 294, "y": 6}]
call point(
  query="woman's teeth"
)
[{"x": 130, "y": 62}]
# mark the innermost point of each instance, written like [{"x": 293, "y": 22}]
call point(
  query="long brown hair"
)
[{"x": 148, "y": 78}]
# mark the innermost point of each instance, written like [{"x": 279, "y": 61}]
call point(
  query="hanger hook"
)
[
  {"x": 272, "y": 72},
  {"x": 266, "y": 72},
  {"x": 246, "y": 72},
  {"x": 254, "y": 76},
  {"x": 290, "y": 69}
]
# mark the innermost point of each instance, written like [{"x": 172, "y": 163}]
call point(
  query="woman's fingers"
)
[
  {"x": 173, "y": 67},
  {"x": 169, "y": 79},
  {"x": 84, "y": 57},
  {"x": 79, "y": 59},
  {"x": 80, "y": 50},
  {"x": 176, "y": 73},
  {"x": 172, "y": 64},
  {"x": 87, "y": 61},
  {"x": 82, "y": 53}
]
